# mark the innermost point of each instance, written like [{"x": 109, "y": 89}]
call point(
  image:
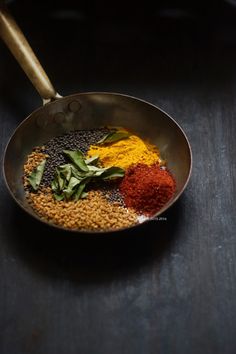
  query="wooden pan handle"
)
[{"x": 20, "y": 48}]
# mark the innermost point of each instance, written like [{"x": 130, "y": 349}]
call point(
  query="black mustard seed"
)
[{"x": 78, "y": 139}]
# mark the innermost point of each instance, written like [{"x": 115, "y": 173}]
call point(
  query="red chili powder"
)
[{"x": 147, "y": 188}]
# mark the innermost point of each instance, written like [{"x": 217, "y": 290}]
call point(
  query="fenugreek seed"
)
[{"x": 92, "y": 213}]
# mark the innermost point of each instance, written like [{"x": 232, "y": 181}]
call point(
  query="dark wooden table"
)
[{"x": 169, "y": 288}]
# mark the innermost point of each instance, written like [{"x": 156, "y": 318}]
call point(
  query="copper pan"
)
[{"x": 59, "y": 115}]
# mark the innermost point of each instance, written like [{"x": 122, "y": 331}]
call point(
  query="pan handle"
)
[{"x": 20, "y": 48}]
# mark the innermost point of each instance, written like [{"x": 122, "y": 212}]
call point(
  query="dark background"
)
[{"x": 170, "y": 287}]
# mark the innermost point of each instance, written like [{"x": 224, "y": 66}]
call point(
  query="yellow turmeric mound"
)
[{"x": 126, "y": 152}]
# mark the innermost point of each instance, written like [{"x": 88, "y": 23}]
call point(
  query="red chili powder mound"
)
[{"x": 147, "y": 188}]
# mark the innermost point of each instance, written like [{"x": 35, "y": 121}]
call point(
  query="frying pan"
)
[{"x": 59, "y": 115}]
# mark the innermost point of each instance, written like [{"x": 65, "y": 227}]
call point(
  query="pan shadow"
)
[{"x": 87, "y": 258}]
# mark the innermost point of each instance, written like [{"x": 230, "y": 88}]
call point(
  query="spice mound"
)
[
  {"x": 147, "y": 189},
  {"x": 97, "y": 180},
  {"x": 125, "y": 152}
]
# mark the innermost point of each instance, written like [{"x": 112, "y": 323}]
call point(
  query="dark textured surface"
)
[{"x": 169, "y": 288}]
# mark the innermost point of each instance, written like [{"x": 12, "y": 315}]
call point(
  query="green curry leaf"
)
[
  {"x": 113, "y": 137},
  {"x": 77, "y": 158},
  {"x": 83, "y": 195},
  {"x": 93, "y": 159},
  {"x": 112, "y": 172},
  {"x": 70, "y": 190},
  {"x": 58, "y": 197},
  {"x": 65, "y": 171},
  {"x": 71, "y": 180},
  {"x": 55, "y": 185},
  {"x": 80, "y": 190},
  {"x": 60, "y": 180},
  {"x": 36, "y": 176}
]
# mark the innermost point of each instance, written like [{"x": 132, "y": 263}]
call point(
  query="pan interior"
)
[{"x": 94, "y": 110}]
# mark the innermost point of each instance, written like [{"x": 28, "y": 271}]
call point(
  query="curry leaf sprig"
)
[{"x": 71, "y": 179}]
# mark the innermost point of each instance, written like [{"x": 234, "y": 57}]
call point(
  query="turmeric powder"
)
[{"x": 126, "y": 152}]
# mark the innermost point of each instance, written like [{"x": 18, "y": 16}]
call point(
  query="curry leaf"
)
[
  {"x": 36, "y": 176},
  {"x": 55, "y": 185},
  {"x": 60, "y": 180},
  {"x": 83, "y": 195},
  {"x": 73, "y": 182},
  {"x": 112, "y": 172},
  {"x": 70, "y": 190},
  {"x": 58, "y": 197},
  {"x": 93, "y": 159},
  {"x": 77, "y": 158},
  {"x": 65, "y": 170},
  {"x": 78, "y": 173},
  {"x": 70, "y": 179},
  {"x": 80, "y": 190},
  {"x": 96, "y": 170},
  {"x": 114, "y": 136}
]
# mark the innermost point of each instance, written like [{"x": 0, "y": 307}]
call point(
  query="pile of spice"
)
[
  {"x": 126, "y": 152},
  {"x": 147, "y": 189},
  {"x": 100, "y": 179}
]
